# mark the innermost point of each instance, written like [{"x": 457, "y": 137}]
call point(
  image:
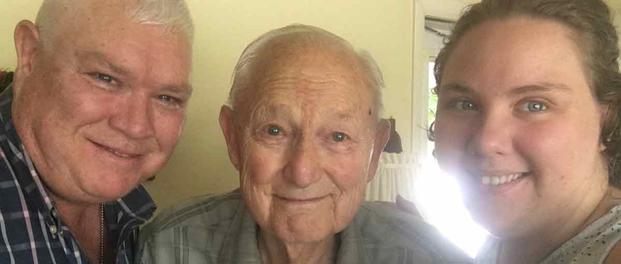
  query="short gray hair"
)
[
  {"x": 248, "y": 58},
  {"x": 172, "y": 14}
]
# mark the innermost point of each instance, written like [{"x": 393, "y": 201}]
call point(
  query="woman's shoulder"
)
[
  {"x": 597, "y": 242},
  {"x": 614, "y": 255}
]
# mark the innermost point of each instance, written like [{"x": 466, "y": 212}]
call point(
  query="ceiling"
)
[{"x": 450, "y": 9}]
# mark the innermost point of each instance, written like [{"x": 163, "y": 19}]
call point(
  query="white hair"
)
[
  {"x": 171, "y": 14},
  {"x": 245, "y": 65}
]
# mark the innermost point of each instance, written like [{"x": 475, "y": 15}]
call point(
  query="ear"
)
[
  {"x": 230, "y": 135},
  {"x": 382, "y": 133},
  {"x": 26, "y": 38}
]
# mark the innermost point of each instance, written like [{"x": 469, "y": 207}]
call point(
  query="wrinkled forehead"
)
[
  {"x": 308, "y": 74},
  {"x": 309, "y": 95},
  {"x": 306, "y": 52}
]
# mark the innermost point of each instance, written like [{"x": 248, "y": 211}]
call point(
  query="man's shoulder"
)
[
  {"x": 199, "y": 227},
  {"x": 202, "y": 210},
  {"x": 382, "y": 223}
]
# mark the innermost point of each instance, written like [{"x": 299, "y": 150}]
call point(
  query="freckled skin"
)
[{"x": 301, "y": 185}]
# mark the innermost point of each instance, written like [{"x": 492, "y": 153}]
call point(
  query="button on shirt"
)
[{"x": 31, "y": 230}]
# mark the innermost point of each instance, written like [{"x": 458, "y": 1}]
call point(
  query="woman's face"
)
[{"x": 518, "y": 126}]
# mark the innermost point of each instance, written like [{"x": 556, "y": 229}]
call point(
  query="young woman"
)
[{"x": 528, "y": 121}]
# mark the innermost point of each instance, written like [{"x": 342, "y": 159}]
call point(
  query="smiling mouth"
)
[
  {"x": 497, "y": 180},
  {"x": 117, "y": 152},
  {"x": 300, "y": 200}
]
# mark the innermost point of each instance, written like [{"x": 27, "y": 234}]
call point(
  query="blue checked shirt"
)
[{"x": 30, "y": 229}]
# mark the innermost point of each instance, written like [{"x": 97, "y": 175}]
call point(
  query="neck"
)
[
  {"x": 535, "y": 248},
  {"x": 84, "y": 221},
  {"x": 276, "y": 251}
]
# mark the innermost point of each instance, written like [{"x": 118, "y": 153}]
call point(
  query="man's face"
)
[
  {"x": 101, "y": 106},
  {"x": 306, "y": 144}
]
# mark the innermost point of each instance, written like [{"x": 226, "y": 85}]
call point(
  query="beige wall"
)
[{"x": 223, "y": 27}]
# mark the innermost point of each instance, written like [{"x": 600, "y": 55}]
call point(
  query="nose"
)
[
  {"x": 491, "y": 136},
  {"x": 134, "y": 117},
  {"x": 303, "y": 166}
]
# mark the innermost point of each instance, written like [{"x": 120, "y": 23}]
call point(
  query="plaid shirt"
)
[
  {"x": 220, "y": 230},
  {"x": 30, "y": 229}
]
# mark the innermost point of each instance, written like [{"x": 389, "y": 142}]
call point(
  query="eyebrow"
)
[
  {"x": 185, "y": 89},
  {"x": 269, "y": 111},
  {"x": 537, "y": 87},
  {"x": 454, "y": 87},
  {"x": 541, "y": 87},
  {"x": 344, "y": 116},
  {"x": 101, "y": 59},
  {"x": 263, "y": 111}
]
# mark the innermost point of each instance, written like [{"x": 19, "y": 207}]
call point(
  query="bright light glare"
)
[{"x": 438, "y": 198}]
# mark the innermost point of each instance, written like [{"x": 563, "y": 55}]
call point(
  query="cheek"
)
[
  {"x": 560, "y": 145},
  {"x": 81, "y": 103},
  {"x": 168, "y": 128},
  {"x": 348, "y": 172},
  {"x": 451, "y": 138},
  {"x": 61, "y": 110},
  {"x": 262, "y": 164}
]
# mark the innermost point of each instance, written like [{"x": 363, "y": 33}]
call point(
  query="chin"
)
[
  {"x": 499, "y": 223},
  {"x": 299, "y": 229},
  {"x": 114, "y": 187}
]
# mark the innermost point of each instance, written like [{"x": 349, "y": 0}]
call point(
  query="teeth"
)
[
  {"x": 485, "y": 180},
  {"x": 498, "y": 180},
  {"x": 120, "y": 154},
  {"x": 123, "y": 155}
]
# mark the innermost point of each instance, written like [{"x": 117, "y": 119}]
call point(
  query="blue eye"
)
[
  {"x": 465, "y": 105},
  {"x": 104, "y": 81},
  {"x": 103, "y": 77},
  {"x": 273, "y": 130},
  {"x": 534, "y": 106},
  {"x": 170, "y": 101},
  {"x": 339, "y": 137}
]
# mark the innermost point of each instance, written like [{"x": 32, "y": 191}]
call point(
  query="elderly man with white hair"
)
[
  {"x": 96, "y": 107},
  {"x": 303, "y": 129}
]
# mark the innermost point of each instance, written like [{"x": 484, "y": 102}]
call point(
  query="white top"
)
[{"x": 592, "y": 245}]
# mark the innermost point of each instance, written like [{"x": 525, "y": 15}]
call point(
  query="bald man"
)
[
  {"x": 304, "y": 130},
  {"x": 96, "y": 107}
]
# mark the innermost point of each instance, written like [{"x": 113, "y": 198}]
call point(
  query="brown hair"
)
[
  {"x": 6, "y": 77},
  {"x": 595, "y": 36}
]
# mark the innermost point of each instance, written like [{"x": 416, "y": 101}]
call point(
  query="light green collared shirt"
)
[{"x": 219, "y": 229}]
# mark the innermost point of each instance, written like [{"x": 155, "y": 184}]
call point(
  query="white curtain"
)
[{"x": 395, "y": 175}]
